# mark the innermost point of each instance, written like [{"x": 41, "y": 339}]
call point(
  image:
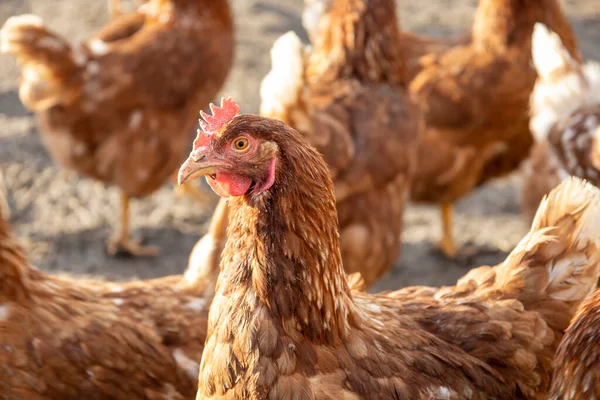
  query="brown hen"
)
[
  {"x": 285, "y": 324},
  {"x": 345, "y": 97},
  {"x": 74, "y": 339},
  {"x": 565, "y": 120},
  {"x": 120, "y": 107},
  {"x": 577, "y": 362},
  {"x": 475, "y": 103}
]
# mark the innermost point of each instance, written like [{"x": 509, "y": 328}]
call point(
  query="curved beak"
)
[{"x": 194, "y": 167}]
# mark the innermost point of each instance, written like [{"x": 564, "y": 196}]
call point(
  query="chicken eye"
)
[{"x": 240, "y": 144}]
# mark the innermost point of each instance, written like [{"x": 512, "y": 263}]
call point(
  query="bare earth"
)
[{"x": 64, "y": 219}]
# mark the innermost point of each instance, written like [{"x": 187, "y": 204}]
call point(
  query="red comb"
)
[{"x": 212, "y": 123}]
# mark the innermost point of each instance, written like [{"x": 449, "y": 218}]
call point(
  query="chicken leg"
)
[
  {"x": 121, "y": 242},
  {"x": 447, "y": 245}
]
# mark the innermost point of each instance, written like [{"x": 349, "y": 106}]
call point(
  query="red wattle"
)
[{"x": 226, "y": 184}]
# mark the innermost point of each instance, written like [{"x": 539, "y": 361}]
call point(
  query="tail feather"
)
[
  {"x": 49, "y": 64},
  {"x": 560, "y": 256},
  {"x": 563, "y": 83},
  {"x": 282, "y": 92},
  {"x": 548, "y": 52}
]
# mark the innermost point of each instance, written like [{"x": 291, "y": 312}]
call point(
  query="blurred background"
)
[{"x": 64, "y": 219}]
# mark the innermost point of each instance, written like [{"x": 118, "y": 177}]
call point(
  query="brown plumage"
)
[
  {"x": 417, "y": 51},
  {"x": 81, "y": 339},
  {"x": 475, "y": 98},
  {"x": 565, "y": 119},
  {"x": 120, "y": 108},
  {"x": 577, "y": 362},
  {"x": 414, "y": 49},
  {"x": 345, "y": 97},
  {"x": 285, "y": 324}
]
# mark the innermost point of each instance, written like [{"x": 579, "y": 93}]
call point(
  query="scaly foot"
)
[{"x": 126, "y": 246}]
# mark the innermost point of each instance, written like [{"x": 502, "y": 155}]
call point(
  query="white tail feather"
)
[
  {"x": 282, "y": 86},
  {"x": 548, "y": 51},
  {"x": 563, "y": 84}
]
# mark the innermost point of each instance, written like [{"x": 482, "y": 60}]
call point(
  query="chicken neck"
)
[
  {"x": 357, "y": 39},
  {"x": 500, "y": 24},
  {"x": 282, "y": 255}
]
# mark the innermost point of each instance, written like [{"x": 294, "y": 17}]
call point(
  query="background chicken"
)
[
  {"x": 415, "y": 49},
  {"x": 475, "y": 103},
  {"x": 577, "y": 362},
  {"x": 284, "y": 322},
  {"x": 120, "y": 107},
  {"x": 66, "y": 338},
  {"x": 565, "y": 107},
  {"x": 346, "y": 98}
]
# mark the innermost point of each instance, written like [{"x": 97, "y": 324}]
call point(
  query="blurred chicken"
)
[
  {"x": 285, "y": 324},
  {"x": 565, "y": 120},
  {"x": 577, "y": 362},
  {"x": 418, "y": 50},
  {"x": 475, "y": 104},
  {"x": 415, "y": 49},
  {"x": 345, "y": 98},
  {"x": 120, "y": 107},
  {"x": 78, "y": 339}
]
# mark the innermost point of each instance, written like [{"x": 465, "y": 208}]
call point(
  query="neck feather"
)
[
  {"x": 359, "y": 41},
  {"x": 283, "y": 251},
  {"x": 500, "y": 24}
]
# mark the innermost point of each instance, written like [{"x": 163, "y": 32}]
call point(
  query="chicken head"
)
[{"x": 234, "y": 161}]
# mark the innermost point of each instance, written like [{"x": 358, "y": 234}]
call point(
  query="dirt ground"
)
[{"x": 64, "y": 219}]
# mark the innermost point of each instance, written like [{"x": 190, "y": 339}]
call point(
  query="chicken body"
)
[
  {"x": 346, "y": 98},
  {"x": 285, "y": 324},
  {"x": 418, "y": 50},
  {"x": 75, "y": 339},
  {"x": 565, "y": 120},
  {"x": 120, "y": 108},
  {"x": 577, "y": 362},
  {"x": 474, "y": 100}
]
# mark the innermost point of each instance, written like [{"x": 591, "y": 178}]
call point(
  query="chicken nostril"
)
[{"x": 198, "y": 157}]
